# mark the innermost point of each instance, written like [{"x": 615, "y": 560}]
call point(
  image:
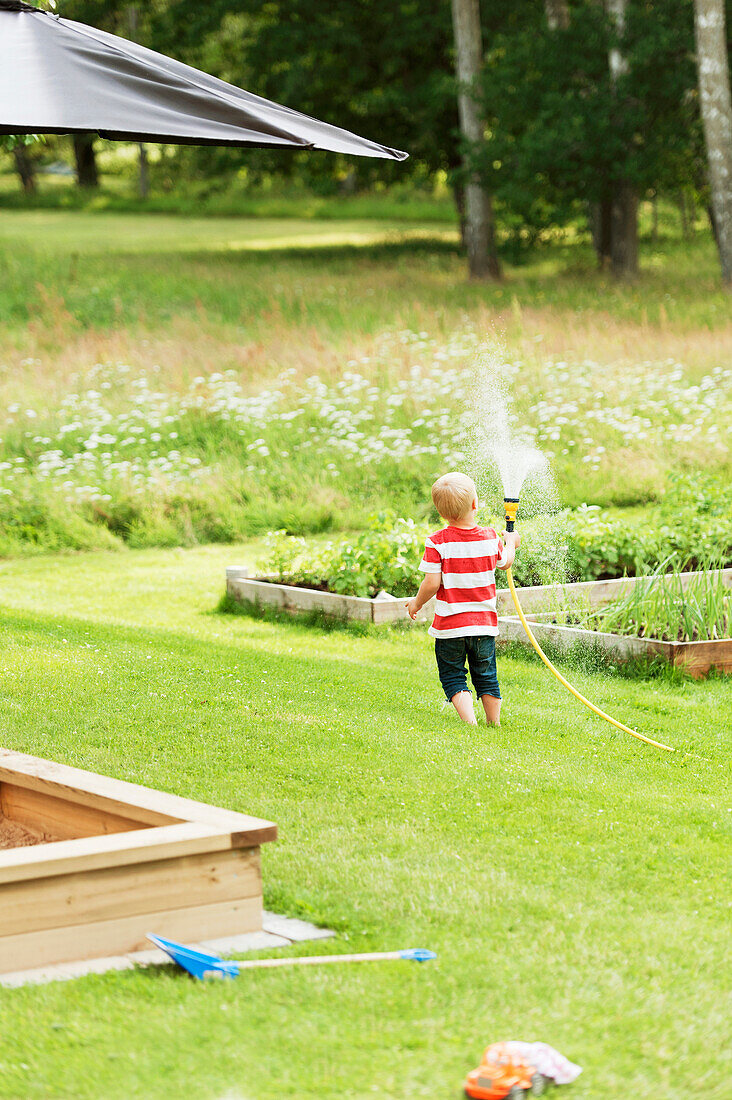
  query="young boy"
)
[{"x": 460, "y": 563}]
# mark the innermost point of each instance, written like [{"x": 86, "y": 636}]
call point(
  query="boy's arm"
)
[
  {"x": 511, "y": 542},
  {"x": 427, "y": 589},
  {"x": 431, "y": 565}
]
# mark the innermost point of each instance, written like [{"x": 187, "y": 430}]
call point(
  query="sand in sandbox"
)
[{"x": 13, "y": 835}]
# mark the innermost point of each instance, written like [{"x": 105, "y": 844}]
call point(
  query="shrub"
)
[{"x": 34, "y": 522}]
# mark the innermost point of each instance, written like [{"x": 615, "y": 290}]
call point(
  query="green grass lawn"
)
[{"x": 573, "y": 882}]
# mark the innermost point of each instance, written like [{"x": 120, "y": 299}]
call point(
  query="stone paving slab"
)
[
  {"x": 293, "y": 929},
  {"x": 277, "y": 931}
]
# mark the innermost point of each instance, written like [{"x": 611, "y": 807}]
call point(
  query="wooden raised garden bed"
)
[
  {"x": 266, "y": 592},
  {"x": 542, "y": 604},
  {"x": 89, "y": 865},
  {"x": 696, "y": 658},
  {"x": 539, "y": 603}
]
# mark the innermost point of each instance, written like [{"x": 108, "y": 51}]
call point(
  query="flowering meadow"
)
[{"x": 122, "y": 456}]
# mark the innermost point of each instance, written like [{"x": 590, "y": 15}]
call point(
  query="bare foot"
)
[
  {"x": 492, "y": 708},
  {"x": 463, "y": 703}
]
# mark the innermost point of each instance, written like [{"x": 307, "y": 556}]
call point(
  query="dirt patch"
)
[
  {"x": 13, "y": 835},
  {"x": 322, "y": 587}
]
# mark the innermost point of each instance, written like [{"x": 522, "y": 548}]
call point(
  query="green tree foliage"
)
[
  {"x": 561, "y": 135},
  {"x": 381, "y": 70},
  {"x": 107, "y": 15},
  {"x": 385, "y": 71}
]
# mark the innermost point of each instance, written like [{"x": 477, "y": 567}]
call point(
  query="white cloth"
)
[{"x": 547, "y": 1060}]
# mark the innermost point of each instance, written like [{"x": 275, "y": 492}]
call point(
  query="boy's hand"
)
[
  {"x": 427, "y": 589},
  {"x": 512, "y": 538}
]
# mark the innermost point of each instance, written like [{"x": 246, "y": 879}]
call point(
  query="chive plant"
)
[{"x": 662, "y": 606}]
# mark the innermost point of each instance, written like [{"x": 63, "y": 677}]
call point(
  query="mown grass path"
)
[
  {"x": 574, "y": 883},
  {"x": 61, "y": 231}
]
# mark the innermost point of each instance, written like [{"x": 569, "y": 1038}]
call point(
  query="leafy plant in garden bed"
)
[
  {"x": 386, "y": 556},
  {"x": 584, "y": 544}
]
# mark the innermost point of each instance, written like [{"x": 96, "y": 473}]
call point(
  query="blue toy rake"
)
[{"x": 203, "y": 964}]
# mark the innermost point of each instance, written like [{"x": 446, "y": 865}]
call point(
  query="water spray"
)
[{"x": 510, "y": 505}]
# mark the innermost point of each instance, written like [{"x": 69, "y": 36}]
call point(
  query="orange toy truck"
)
[{"x": 504, "y": 1075}]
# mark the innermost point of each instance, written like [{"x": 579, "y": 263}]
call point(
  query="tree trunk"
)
[
  {"x": 716, "y": 112},
  {"x": 624, "y": 248},
  {"x": 25, "y": 168},
  {"x": 601, "y": 224},
  {"x": 654, "y": 217},
  {"x": 624, "y": 218},
  {"x": 684, "y": 213},
  {"x": 712, "y": 223},
  {"x": 557, "y": 14},
  {"x": 458, "y": 194},
  {"x": 480, "y": 230},
  {"x": 86, "y": 161},
  {"x": 144, "y": 178}
]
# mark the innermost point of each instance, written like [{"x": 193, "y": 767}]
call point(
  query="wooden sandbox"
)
[{"x": 102, "y": 862}]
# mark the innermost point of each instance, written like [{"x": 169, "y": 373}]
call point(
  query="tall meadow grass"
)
[{"x": 171, "y": 380}]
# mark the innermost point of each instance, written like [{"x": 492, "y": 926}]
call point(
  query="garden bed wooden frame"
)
[
  {"x": 267, "y": 592},
  {"x": 128, "y": 860},
  {"x": 696, "y": 658}
]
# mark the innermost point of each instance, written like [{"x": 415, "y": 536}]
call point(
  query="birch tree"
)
[
  {"x": 557, "y": 14},
  {"x": 624, "y": 214},
  {"x": 716, "y": 112},
  {"x": 479, "y": 225},
  {"x": 143, "y": 176}
]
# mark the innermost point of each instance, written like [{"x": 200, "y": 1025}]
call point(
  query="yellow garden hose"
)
[{"x": 549, "y": 665}]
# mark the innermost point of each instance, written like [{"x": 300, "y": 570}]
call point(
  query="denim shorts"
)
[{"x": 481, "y": 655}]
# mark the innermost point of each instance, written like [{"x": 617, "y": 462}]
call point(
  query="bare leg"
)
[
  {"x": 463, "y": 703},
  {"x": 492, "y": 708}
]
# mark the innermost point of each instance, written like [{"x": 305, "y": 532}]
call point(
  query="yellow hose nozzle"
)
[{"x": 510, "y": 507}]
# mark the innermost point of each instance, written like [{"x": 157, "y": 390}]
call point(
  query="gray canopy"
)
[{"x": 62, "y": 77}]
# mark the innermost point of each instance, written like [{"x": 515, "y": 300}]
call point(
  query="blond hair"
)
[{"x": 453, "y": 495}]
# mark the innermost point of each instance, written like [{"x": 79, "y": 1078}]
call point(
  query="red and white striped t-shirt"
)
[{"x": 465, "y": 604}]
